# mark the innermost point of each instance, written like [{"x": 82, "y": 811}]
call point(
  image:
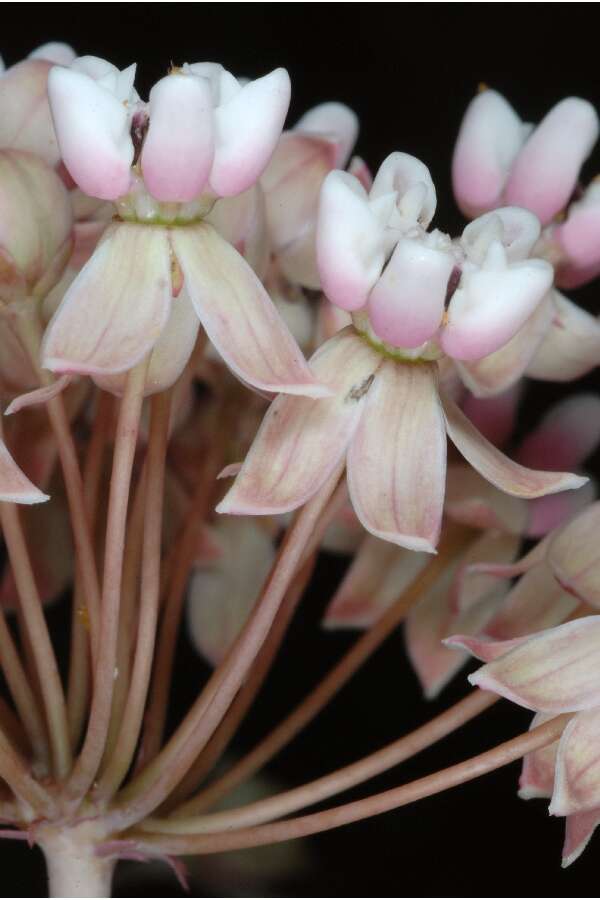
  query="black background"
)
[{"x": 408, "y": 70}]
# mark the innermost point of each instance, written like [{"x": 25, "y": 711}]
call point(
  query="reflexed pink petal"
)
[
  {"x": 15, "y": 487},
  {"x": 247, "y": 128},
  {"x": 350, "y": 252},
  {"x": 491, "y": 135},
  {"x": 535, "y": 557},
  {"x": 115, "y": 310},
  {"x": 301, "y": 440},
  {"x": 494, "y": 417},
  {"x": 570, "y": 348},
  {"x": 39, "y": 395},
  {"x": 92, "y": 127},
  {"x": 238, "y": 315},
  {"x": 577, "y": 782},
  {"x": 548, "y": 513},
  {"x": 170, "y": 354},
  {"x": 378, "y": 575},
  {"x": 553, "y": 671},
  {"x": 537, "y": 774},
  {"x": 407, "y": 303},
  {"x": 222, "y": 594},
  {"x": 178, "y": 149},
  {"x": 484, "y": 648},
  {"x": 495, "y": 373},
  {"x": 470, "y": 587},
  {"x": 427, "y": 625},
  {"x": 472, "y": 500},
  {"x": 536, "y": 602},
  {"x": 336, "y": 121},
  {"x": 397, "y": 458},
  {"x": 545, "y": 172},
  {"x": 579, "y": 828},
  {"x": 497, "y": 468},
  {"x": 491, "y": 305},
  {"x": 566, "y": 436},
  {"x": 574, "y": 556}
]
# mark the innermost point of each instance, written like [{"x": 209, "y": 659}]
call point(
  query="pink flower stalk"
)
[
  {"x": 387, "y": 418},
  {"x": 500, "y": 160},
  {"x": 202, "y": 136},
  {"x": 550, "y": 672}
]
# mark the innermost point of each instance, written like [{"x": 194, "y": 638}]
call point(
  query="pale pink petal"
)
[
  {"x": 427, "y": 625},
  {"x": 350, "y": 251},
  {"x": 335, "y": 121},
  {"x": 579, "y": 238},
  {"x": 491, "y": 135},
  {"x": 571, "y": 346},
  {"x": 472, "y": 500},
  {"x": 535, "y": 557},
  {"x": 115, "y": 310},
  {"x": 170, "y": 354},
  {"x": 178, "y": 149},
  {"x": 378, "y": 576},
  {"x": 494, "y": 417},
  {"x": 483, "y": 648},
  {"x": 25, "y": 119},
  {"x": 397, "y": 458},
  {"x": 238, "y": 315},
  {"x": 247, "y": 128},
  {"x": 553, "y": 671},
  {"x": 579, "y": 828},
  {"x": 537, "y": 601},
  {"x": 92, "y": 127},
  {"x": 39, "y": 395},
  {"x": 15, "y": 487},
  {"x": 491, "y": 305},
  {"x": 407, "y": 303},
  {"x": 470, "y": 587},
  {"x": 497, "y": 468},
  {"x": 516, "y": 229},
  {"x": 222, "y": 595},
  {"x": 537, "y": 774},
  {"x": 545, "y": 172},
  {"x": 577, "y": 782},
  {"x": 302, "y": 440},
  {"x": 500, "y": 370},
  {"x": 574, "y": 555},
  {"x": 566, "y": 436}
]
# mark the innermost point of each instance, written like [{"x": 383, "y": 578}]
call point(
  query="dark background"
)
[{"x": 408, "y": 70}]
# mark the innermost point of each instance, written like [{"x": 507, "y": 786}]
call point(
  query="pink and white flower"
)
[{"x": 161, "y": 268}]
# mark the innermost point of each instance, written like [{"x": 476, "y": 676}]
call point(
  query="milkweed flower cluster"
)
[{"x": 191, "y": 292}]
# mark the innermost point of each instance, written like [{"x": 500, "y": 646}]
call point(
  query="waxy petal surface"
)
[
  {"x": 571, "y": 346},
  {"x": 497, "y": 468},
  {"x": 238, "y": 315},
  {"x": 574, "y": 555},
  {"x": 115, "y": 310},
  {"x": 397, "y": 458},
  {"x": 302, "y": 440},
  {"x": 537, "y": 774},
  {"x": 536, "y": 602},
  {"x": 553, "y": 671},
  {"x": 577, "y": 782}
]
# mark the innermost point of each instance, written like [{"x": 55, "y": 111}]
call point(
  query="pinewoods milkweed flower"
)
[
  {"x": 387, "y": 417},
  {"x": 201, "y": 136}
]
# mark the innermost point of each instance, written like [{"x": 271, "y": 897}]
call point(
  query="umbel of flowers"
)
[{"x": 166, "y": 266}]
